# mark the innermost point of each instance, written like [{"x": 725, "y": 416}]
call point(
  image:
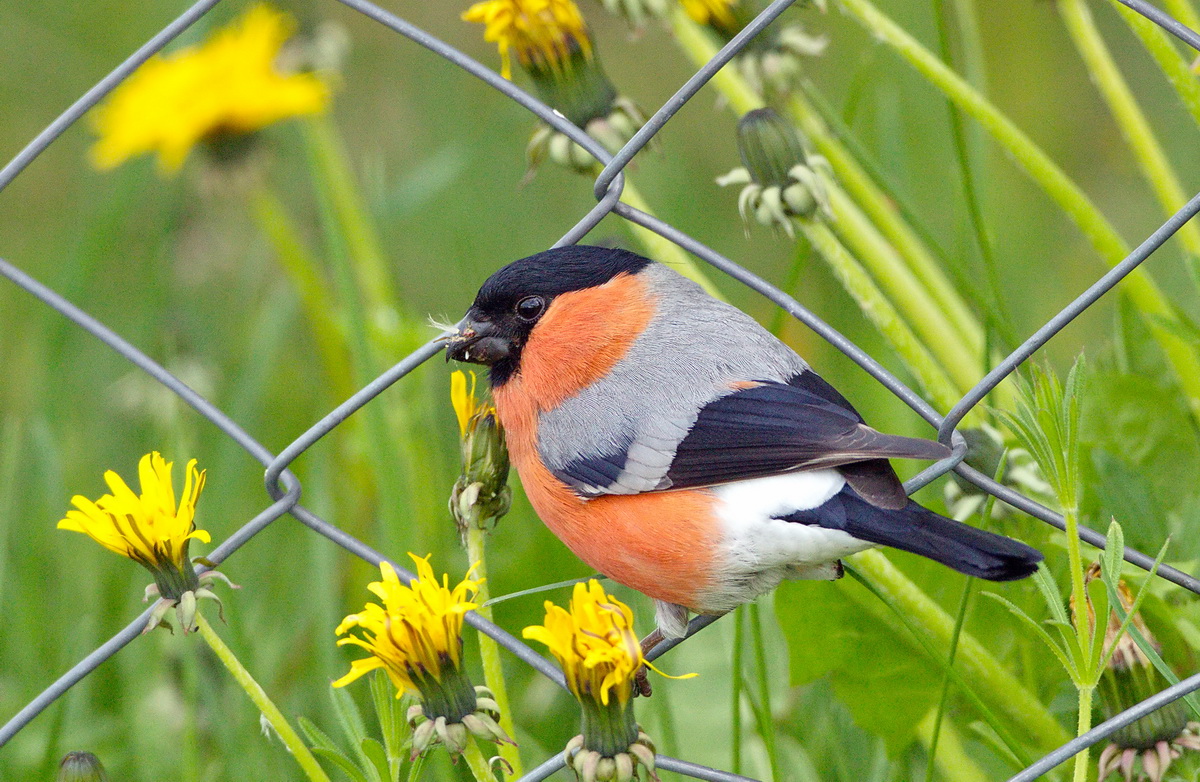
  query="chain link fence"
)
[{"x": 284, "y": 488}]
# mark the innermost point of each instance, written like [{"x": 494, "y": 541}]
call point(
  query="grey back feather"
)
[{"x": 691, "y": 352}]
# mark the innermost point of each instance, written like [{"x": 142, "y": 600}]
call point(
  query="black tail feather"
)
[{"x": 919, "y": 530}]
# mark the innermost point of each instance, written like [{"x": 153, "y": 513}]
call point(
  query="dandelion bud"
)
[
  {"x": 1162, "y": 736},
  {"x": 638, "y": 11},
  {"x": 81, "y": 767},
  {"x": 553, "y": 46},
  {"x": 769, "y": 147},
  {"x": 780, "y": 180},
  {"x": 774, "y": 58},
  {"x": 481, "y": 495}
]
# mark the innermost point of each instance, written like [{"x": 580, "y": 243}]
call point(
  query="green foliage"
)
[
  {"x": 369, "y": 759},
  {"x": 832, "y": 634},
  {"x": 278, "y": 300},
  {"x": 1046, "y": 420}
]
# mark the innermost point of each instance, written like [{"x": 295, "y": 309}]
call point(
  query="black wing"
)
[
  {"x": 766, "y": 429},
  {"x": 780, "y": 427}
]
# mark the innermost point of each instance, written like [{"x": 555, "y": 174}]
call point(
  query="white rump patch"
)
[{"x": 760, "y": 550}]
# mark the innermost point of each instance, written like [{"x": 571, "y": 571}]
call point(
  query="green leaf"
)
[
  {"x": 342, "y": 762},
  {"x": 1146, "y": 432},
  {"x": 1113, "y": 556},
  {"x": 316, "y": 737},
  {"x": 1040, "y": 631},
  {"x": 829, "y": 634},
  {"x": 1125, "y": 491},
  {"x": 351, "y": 721},
  {"x": 1049, "y": 590},
  {"x": 1098, "y": 595},
  {"x": 378, "y": 758},
  {"x": 348, "y": 715},
  {"x": 392, "y": 726}
]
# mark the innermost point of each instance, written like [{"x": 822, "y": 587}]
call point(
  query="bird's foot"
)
[
  {"x": 641, "y": 683},
  {"x": 641, "y": 679}
]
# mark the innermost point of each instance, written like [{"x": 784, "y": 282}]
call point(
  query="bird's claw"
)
[{"x": 641, "y": 682}]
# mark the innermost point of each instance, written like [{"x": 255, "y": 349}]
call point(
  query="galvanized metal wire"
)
[{"x": 284, "y": 488}]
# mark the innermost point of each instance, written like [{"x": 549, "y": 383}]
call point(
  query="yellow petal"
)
[{"x": 357, "y": 669}]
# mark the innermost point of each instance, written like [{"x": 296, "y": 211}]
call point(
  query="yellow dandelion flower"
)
[
  {"x": 594, "y": 643},
  {"x": 416, "y": 634},
  {"x": 543, "y": 33},
  {"x": 154, "y": 531},
  {"x": 466, "y": 404},
  {"x": 713, "y": 12},
  {"x": 148, "y": 528},
  {"x": 228, "y": 85}
]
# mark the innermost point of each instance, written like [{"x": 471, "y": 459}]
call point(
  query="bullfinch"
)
[{"x": 680, "y": 449}]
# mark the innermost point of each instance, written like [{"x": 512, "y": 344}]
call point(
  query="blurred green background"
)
[{"x": 179, "y": 267}]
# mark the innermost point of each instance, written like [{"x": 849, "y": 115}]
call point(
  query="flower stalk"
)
[
  {"x": 875, "y": 305},
  {"x": 258, "y": 696},
  {"x": 1134, "y": 126},
  {"x": 1161, "y": 46},
  {"x": 480, "y": 498},
  {"x": 742, "y": 98},
  {"x": 1161, "y": 318},
  {"x": 489, "y": 652},
  {"x": 996, "y": 685}
]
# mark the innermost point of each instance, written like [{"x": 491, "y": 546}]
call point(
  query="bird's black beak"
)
[{"x": 478, "y": 343}]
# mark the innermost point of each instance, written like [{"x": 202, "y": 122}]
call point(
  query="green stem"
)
[
  {"x": 909, "y": 270},
  {"x": 880, "y": 311},
  {"x": 415, "y": 767},
  {"x": 477, "y": 763},
  {"x": 920, "y": 636},
  {"x": 875, "y": 203},
  {"x": 1000, "y": 319},
  {"x": 1183, "y": 11},
  {"x": 766, "y": 721},
  {"x": 954, "y": 761},
  {"x": 936, "y": 732},
  {"x": 962, "y": 362},
  {"x": 1084, "y": 725},
  {"x": 362, "y": 242},
  {"x": 1130, "y": 119},
  {"x": 1161, "y": 46},
  {"x": 1149, "y": 299},
  {"x": 259, "y": 697},
  {"x": 735, "y": 721},
  {"x": 995, "y": 684},
  {"x": 1079, "y": 597},
  {"x": 371, "y": 337},
  {"x": 489, "y": 650},
  {"x": 311, "y": 286},
  {"x": 662, "y": 249},
  {"x": 700, "y": 48}
]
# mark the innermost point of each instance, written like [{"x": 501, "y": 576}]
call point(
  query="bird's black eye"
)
[{"x": 530, "y": 308}]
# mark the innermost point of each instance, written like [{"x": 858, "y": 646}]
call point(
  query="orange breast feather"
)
[{"x": 662, "y": 544}]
